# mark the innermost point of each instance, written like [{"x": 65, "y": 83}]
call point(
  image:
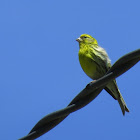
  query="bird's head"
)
[{"x": 87, "y": 39}]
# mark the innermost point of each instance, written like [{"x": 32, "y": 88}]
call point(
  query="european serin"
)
[{"x": 95, "y": 63}]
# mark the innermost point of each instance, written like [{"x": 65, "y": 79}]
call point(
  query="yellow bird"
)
[{"x": 95, "y": 63}]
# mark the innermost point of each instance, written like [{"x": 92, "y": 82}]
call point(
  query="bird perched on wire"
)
[{"x": 95, "y": 63}]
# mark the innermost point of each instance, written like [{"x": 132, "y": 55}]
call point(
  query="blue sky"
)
[{"x": 40, "y": 71}]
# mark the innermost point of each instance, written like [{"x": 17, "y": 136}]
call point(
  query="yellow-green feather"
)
[{"x": 86, "y": 61}]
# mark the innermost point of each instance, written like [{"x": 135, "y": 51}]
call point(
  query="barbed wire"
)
[{"x": 89, "y": 93}]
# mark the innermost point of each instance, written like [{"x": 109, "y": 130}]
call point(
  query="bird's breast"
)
[{"x": 87, "y": 63}]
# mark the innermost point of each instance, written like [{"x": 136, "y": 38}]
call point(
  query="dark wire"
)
[{"x": 89, "y": 93}]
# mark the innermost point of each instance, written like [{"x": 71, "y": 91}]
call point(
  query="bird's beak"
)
[{"x": 79, "y": 39}]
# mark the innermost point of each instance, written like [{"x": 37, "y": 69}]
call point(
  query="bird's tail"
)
[
  {"x": 122, "y": 104},
  {"x": 113, "y": 90}
]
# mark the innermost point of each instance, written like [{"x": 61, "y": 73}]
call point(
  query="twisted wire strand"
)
[{"x": 89, "y": 93}]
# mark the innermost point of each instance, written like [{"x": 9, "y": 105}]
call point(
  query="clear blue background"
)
[{"x": 40, "y": 71}]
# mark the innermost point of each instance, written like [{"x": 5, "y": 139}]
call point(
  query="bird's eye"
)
[{"x": 85, "y": 37}]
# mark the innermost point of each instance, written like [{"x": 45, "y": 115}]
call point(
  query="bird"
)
[{"x": 95, "y": 62}]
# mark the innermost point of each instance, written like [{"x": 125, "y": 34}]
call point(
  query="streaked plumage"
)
[{"x": 95, "y": 63}]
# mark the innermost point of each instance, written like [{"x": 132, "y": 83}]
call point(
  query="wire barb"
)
[{"x": 85, "y": 96}]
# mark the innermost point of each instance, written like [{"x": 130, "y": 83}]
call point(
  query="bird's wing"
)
[
  {"x": 102, "y": 60},
  {"x": 103, "y": 65},
  {"x": 103, "y": 68}
]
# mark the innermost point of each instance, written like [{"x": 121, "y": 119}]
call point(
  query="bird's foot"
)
[{"x": 88, "y": 85}]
